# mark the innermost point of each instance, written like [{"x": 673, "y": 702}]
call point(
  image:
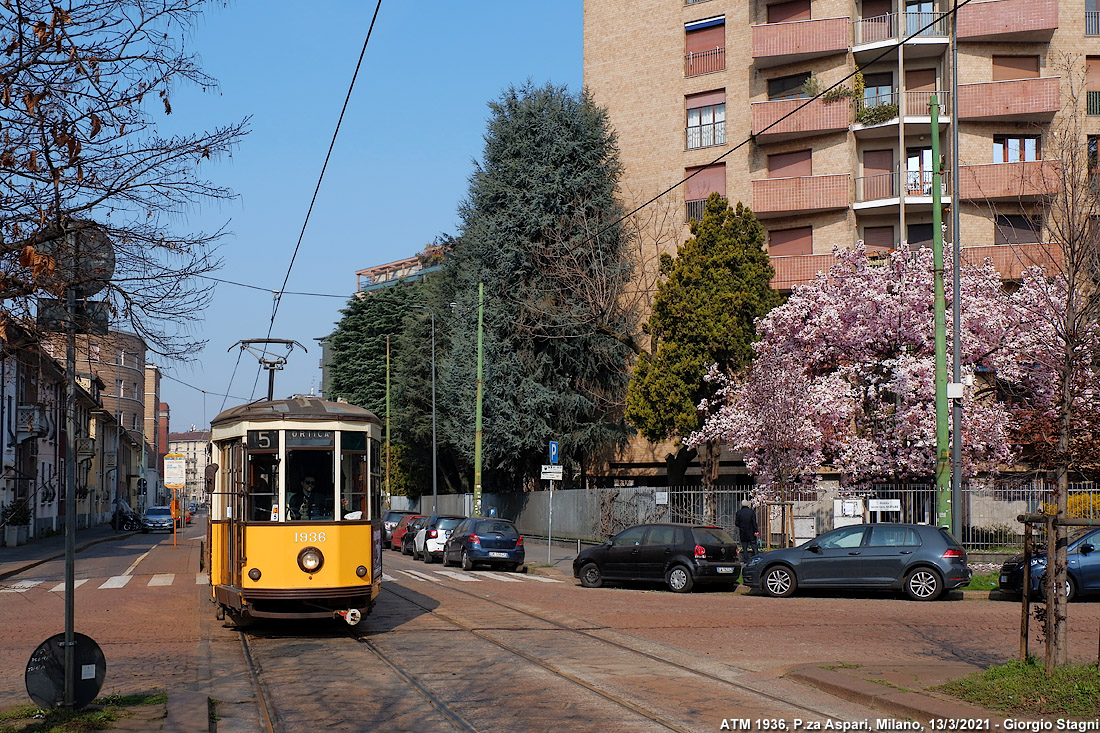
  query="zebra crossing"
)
[
  {"x": 114, "y": 582},
  {"x": 438, "y": 576}
]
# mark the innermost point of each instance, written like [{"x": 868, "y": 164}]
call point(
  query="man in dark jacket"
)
[{"x": 745, "y": 521}]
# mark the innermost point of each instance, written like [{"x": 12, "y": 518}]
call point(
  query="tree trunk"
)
[
  {"x": 709, "y": 455},
  {"x": 676, "y": 465}
]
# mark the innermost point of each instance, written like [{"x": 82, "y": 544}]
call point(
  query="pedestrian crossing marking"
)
[
  {"x": 116, "y": 581},
  {"x": 386, "y": 578},
  {"x": 466, "y": 578},
  {"x": 541, "y": 579},
  {"x": 419, "y": 576},
  {"x": 500, "y": 576},
  {"x": 60, "y": 587},
  {"x": 162, "y": 579},
  {"x": 20, "y": 586},
  {"x": 202, "y": 578}
]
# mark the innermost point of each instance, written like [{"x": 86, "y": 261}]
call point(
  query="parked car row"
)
[
  {"x": 454, "y": 539},
  {"x": 1082, "y": 566},
  {"x": 922, "y": 561}
]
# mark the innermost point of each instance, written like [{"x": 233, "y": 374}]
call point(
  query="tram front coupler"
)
[{"x": 352, "y": 616}]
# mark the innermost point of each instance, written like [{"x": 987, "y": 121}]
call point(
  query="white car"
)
[{"x": 429, "y": 541}]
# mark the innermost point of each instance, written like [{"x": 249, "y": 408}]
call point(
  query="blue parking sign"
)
[{"x": 553, "y": 451}]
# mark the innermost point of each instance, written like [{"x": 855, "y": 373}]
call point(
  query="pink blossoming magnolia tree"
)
[{"x": 844, "y": 376}]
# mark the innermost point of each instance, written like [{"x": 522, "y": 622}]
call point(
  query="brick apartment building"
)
[{"x": 686, "y": 81}]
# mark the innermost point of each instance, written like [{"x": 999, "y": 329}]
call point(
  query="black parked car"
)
[
  {"x": 923, "y": 561},
  {"x": 389, "y": 521},
  {"x": 480, "y": 541},
  {"x": 1082, "y": 566},
  {"x": 408, "y": 540},
  {"x": 679, "y": 555}
]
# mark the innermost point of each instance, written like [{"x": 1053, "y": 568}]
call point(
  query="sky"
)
[{"x": 409, "y": 139}]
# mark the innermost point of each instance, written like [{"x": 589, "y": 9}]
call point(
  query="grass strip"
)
[{"x": 1023, "y": 688}]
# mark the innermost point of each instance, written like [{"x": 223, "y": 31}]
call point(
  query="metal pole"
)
[
  {"x": 389, "y": 496},
  {"x": 477, "y": 408},
  {"x": 550, "y": 524},
  {"x": 70, "y": 483},
  {"x": 943, "y": 468},
  {"x": 956, "y": 297}
]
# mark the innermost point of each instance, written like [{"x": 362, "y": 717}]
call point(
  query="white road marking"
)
[
  {"x": 60, "y": 587},
  {"x": 162, "y": 579},
  {"x": 464, "y": 577},
  {"x": 117, "y": 581},
  {"x": 500, "y": 576},
  {"x": 21, "y": 586},
  {"x": 202, "y": 578},
  {"x": 134, "y": 564},
  {"x": 418, "y": 576},
  {"x": 387, "y": 578},
  {"x": 540, "y": 579}
]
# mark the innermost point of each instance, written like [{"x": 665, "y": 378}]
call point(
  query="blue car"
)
[
  {"x": 481, "y": 541},
  {"x": 922, "y": 560},
  {"x": 1082, "y": 566}
]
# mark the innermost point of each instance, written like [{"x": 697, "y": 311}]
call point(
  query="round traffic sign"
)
[{"x": 45, "y": 676}]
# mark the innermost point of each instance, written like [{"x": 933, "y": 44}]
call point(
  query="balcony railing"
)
[
  {"x": 877, "y": 186},
  {"x": 916, "y": 103},
  {"x": 877, "y": 108},
  {"x": 778, "y": 117},
  {"x": 892, "y": 26},
  {"x": 1092, "y": 23},
  {"x": 1024, "y": 180},
  {"x": 800, "y": 193},
  {"x": 695, "y": 209},
  {"x": 779, "y": 42},
  {"x": 1010, "y": 99},
  {"x": 704, "y": 136},
  {"x": 1015, "y": 20},
  {"x": 1011, "y": 260},
  {"x": 705, "y": 62},
  {"x": 791, "y": 270}
]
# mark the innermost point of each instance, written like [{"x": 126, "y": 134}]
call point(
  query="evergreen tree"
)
[
  {"x": 704, "y": 314},
  {"x": 540, "y": 229}
]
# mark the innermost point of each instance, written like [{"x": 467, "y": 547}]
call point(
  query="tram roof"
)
[{"x": 298, "y": 407}]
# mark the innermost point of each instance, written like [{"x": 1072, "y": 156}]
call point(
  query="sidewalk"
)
[{"x": 14, "y": 560}]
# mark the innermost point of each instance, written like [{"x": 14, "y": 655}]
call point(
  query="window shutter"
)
[
  {"x": 787, "y": 165},
  {"x": 1015, "y": 67},
  {"x": 786, "y": 12},
  {"x": 878, "y": 237},
  {"x": 707, "y": 181},
  {"x": 705, "y": 99},
  {"x": 785, "y": 242},
  {"x": 920, "y": 80},
  {"x": 706, "y": 38}
]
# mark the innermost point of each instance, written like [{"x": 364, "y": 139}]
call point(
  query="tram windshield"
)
[{"x": 309, "y": 489}]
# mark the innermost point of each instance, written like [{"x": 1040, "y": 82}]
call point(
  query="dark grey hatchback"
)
[
  {"x": 923, "y": 561},
  {"x": 679, "y": 555}
]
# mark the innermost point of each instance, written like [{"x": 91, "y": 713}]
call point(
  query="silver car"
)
[{"x": 157, "y": 518}]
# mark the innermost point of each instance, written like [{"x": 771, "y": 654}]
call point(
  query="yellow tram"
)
[{"x": 295, "y": 528}]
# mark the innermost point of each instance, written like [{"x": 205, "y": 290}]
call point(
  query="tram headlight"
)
[
  {"x": 361, "y": 571},
  {"x": 254, "y": 573},
  {"x": 310, "y": 560}
]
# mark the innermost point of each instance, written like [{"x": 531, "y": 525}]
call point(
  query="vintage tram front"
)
[{"x": 295, "y": 510}]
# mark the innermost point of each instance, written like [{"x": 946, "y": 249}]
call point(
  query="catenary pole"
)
[
  {"x": 477, "y": 408},
  {"x": 956, "y": 297},
  {"x": 70, "y": 481},
  {"x": 943, "y": 468}
]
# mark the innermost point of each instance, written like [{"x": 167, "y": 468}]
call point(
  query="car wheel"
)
[
  {"x": 428, "y": 557},
  {"x": 779, "y": 581},
  {"x": 1071, "y": 589},
  {"x": 405, "y": 549},
  {"x": 679, "y": 579},
  {"x": 591, "y": 577},
  {"x": 923, "y": 584},
  {"x": 467, "y": 563},
  {"x": 512, "y": 568}
]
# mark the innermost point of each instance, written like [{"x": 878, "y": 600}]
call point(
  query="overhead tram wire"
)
[{"x": 278, "y": 295}]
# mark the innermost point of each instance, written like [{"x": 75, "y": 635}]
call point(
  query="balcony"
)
[
  {"x": 1010, "y": 181},
  {"x": 791, "y": 270},
  {"x": 782, "y": 119},
  {"x": 1092, "y": 23},
  {"x": 1012, "y": 259},
  {"x": 800, "y": 194},
  {"x": 800, "y": 40},
  {"x": 927, "y": 34},
  {"x": 705, "y": 62},
  {"x": 1016, "y": 100},
  {"x": 885, "y": 189},
  {"x": 1008, "y": 20}
]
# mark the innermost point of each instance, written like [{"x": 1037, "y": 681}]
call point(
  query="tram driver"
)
[{"x": 310, "y": 503}]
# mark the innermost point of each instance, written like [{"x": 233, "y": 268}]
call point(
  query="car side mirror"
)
[
  {"x": 1087, "y": 548},
  {"x": 814, "y": 548}
]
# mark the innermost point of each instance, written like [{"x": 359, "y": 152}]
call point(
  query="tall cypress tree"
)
[{"x": 704, "y": 313}]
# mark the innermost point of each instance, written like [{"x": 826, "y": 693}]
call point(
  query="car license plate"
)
[
  {"x": 1004, "y": 578},
  {"x": 498, "y": 554},
  {"x": 725, "y": 570}
]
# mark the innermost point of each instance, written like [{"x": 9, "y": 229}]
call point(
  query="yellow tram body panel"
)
[{"x": 273, "y": 550}]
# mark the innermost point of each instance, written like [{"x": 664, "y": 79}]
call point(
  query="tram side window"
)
[
  {"x": 353, "y": 487},
  {"x": 263, "y": 480},
  {"x": 375, "y": 478},
  {"x": 309, "y": 491}
]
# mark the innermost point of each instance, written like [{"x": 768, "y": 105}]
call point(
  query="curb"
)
[{"x": 5, "y": 574}]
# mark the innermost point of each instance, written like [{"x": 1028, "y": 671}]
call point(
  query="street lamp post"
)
[{"x": 435, "y": 492}]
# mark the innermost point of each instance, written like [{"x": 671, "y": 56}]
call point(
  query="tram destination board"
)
[{"x": 263, "y": 440}]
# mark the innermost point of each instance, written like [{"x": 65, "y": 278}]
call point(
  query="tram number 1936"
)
[{"x": 309, "y": 536}]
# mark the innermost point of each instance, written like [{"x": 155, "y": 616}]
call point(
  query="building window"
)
[
  {"x": 1015, "y": 229},
  {"x": 1015, "y": 148},
  {"x": 876, "y": 239},
  {"x": 1092, "y": 18},
  {"x": 701, "y": 183},
  {"x": 918, "y": 171},
  {"x": 1092, "y": 85},
  {"x": 705, "y": 46},
  {"x": 789, "y": 11},
  {"x": 1008, "y": 68},
  {"x": 790, "y": 165},
  {"x": 706, "y": 119},
  {"x": 93, "y": 352},
  {"x": 878, "y": 89},
  {"x": 788, "y": 87},
  {"x": 119, "y": 388},
  {"x": 919, "y": 235},
  {"x": 788, "y": 242}
]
